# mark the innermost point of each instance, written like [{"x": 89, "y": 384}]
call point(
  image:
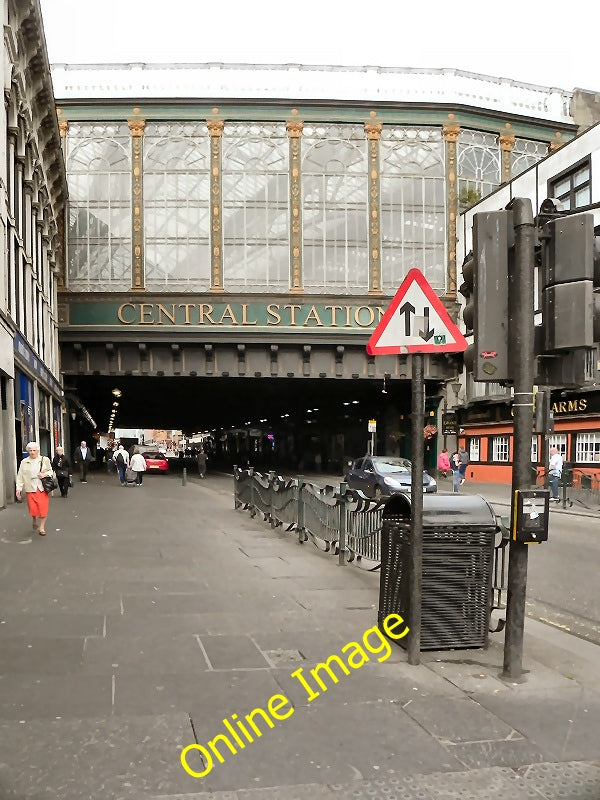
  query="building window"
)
[
  {"x": 534, "y": 449},
  {"x": 413, "y": 214},
  {"x": 99, "y": 174},
  {"x": 587, "y": 448},
  {"x": 572, "y": 188},
  {"x": 525, "y": 154},
  {"x": 559, "y": 440},
  {"x": 591, "y": 357},
  {"x": 176, "y": 207},
  {"x": 334, "y": 214},
  {"x": 474, "y": 449},
  {"x": 501, "y": 448},
  {"x": 478, "y": 164},
  {"x": 256, "y": 254}
]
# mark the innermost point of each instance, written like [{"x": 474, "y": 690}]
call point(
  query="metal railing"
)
[
  {"x": 576, "y": 486},
  {"x": 339, "y": 521}
]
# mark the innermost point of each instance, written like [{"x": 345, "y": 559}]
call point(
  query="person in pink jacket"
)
[{"x": 444, "y": 462}]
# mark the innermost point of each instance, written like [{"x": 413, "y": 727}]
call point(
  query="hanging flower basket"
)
[{"x": 429, "y": 431}]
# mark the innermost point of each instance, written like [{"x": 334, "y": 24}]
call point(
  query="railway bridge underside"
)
[{"x": 301, "y": 383}]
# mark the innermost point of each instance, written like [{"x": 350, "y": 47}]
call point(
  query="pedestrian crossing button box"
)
[{"x": 530, "y": 516}]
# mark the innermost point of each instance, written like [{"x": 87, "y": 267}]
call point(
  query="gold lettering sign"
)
[
  {"x": 570, "y": 406},
  {"x": 290, "y": 315}
]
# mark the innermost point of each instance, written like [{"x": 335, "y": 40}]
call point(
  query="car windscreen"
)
[
  {"x": 154, "y": 455},
  {"x": 391, "y": 465}
]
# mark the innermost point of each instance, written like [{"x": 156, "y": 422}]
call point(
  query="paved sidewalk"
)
[{"x": 148, "y": 617}]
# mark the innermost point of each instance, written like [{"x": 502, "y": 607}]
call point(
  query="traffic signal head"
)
[
  {"x": 485, "y": 287},
  {"x": 466, "y": 289},
  {"x": 567, "y": 281}
]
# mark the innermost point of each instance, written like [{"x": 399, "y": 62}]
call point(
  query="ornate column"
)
[
  {"x": 215, "y": 130},
  {"x": 294, "y": 130},
  {"x": 451, "y": 133},
  {"x": 137, "y": 128},
  {"x": 373, "y": 132},
  {"x": 507, "y": 143},
  {"x": 63, "y": 128}
]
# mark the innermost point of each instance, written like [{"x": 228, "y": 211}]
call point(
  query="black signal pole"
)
[
  {"x": 416, "y": 501},
  {"x": 521, "y": 350}
]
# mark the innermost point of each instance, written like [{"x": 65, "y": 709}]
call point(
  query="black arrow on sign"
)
[
  {"x": 428, "y": 332},
  {"x": 407, "y": 309}
]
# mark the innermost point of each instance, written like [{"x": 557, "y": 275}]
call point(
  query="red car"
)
[{"x": 156, "y": 462}]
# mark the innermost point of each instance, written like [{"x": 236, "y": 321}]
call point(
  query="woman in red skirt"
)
[{"x": 31, "y": 470}]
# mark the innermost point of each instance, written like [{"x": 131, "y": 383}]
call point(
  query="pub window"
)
[
  {"x": 573, "y": 187},
  {"x": 474, "y": 448},
  {"x": 587, "y": 448},
  {"x": 500, "y": 448},
  {"x": 591, "y": 357},
  {"x": 559, "y": 440}
]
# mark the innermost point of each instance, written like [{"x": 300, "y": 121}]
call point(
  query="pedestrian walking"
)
[
  {"x": 201, "y": 461},
  {"x": 444, "y": 462},
  {"x": 121, "y": 459},
  {"x": 61, "y": 465},
  {"x": 464, "y": 463},
  {"x": 32, "y": 469},
  {"x": 555, "y": 472},
  {"x": 138, "y": 465},
  {"x": 83, "y": 457},
  {"x": 455, "y": 465}
]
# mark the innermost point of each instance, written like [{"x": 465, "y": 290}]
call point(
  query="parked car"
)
[
  {"x": 377, "y": 476},
  {"x": 156, "y": 462}
]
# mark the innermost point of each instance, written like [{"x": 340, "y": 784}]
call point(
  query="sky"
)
[{"x": 524, "y": 41}]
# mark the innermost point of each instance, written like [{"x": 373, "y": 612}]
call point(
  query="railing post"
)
[
  {"x": 302, "y": 537},
  {"x": 251, "y": 476},
  {"x": 236, "y": 503},
  {"x": 342, "y": 525},
  {"x": 271, "y": 475},
  {"x": 564, "y": 481}
]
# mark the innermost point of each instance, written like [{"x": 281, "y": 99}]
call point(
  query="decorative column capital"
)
[
  {"x": 63, "y": 127},
  {"x": 373, "y": 130},
  {"x": 556, "y": 143},
  {"x": 294, "y": 128},
  {"x": 506, "y": 141},
  {"x": 451, "y": 133},
  {"x": 215, "y": 127},
  {"x": 137, "y": 127}
]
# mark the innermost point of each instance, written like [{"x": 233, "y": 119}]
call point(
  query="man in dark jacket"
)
[
  {"x": 464, "y": 463},
  {"x": 83, "y": 456}
]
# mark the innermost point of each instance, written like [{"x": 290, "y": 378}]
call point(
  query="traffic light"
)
[
  {"x": 485, "y": 288},
  {"x": 567, "y": 282},
  {"x": 596, "y": 325},
  {"x": 570, "y": 271}
]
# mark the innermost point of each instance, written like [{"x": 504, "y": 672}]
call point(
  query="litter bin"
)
[{"x": 458, "y": 557}]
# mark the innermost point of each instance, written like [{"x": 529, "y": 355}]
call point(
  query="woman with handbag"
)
[
  {"x": 32, "y": 470},
  {"x": 62, "y": 469}
]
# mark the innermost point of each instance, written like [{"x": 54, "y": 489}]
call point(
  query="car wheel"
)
[{"x": 378, "y": 493}]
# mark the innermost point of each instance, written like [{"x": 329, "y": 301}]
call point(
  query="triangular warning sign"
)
[{"x": 416, "y": 322}]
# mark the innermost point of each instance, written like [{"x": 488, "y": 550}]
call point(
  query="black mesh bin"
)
[{"x": 458, "y": 557}]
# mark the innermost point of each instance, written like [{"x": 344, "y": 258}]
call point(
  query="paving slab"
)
[
  {"x": 564, "y": 726},
  {"x": 325, "y": 743}
]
